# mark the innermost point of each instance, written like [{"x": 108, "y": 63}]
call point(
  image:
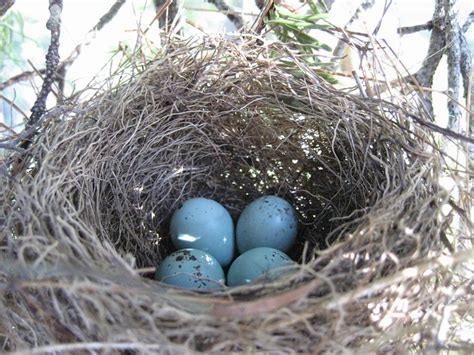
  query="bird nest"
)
[{"x": 86, "y": 211}]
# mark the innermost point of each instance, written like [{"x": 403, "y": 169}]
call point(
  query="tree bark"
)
[{"x": 5, "y": 5}]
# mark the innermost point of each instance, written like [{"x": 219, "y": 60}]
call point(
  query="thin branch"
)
[
  {"x": 359, "y": 84},
  {"x": 235, "y": 19},
  {"x": 412, "y": 29},
  {"x": 105, "y": 19},
  {"x": 326, "y": 5},
  {"x": 444, "y": 131},
  {"x": 172, "y": 8},
  {"x": 259, "y": 24},
  {"x": 14, "y": 105},
  {"x": 341, "y": 44},
  {"x": 468, "y": 23},
  {"x": 20, "y": 77}
]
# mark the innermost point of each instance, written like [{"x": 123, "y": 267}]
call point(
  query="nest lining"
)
[{"x": 222, "y": 121}]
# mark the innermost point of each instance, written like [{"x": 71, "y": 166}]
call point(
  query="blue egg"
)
[
  {"x": 191, "y": 268},
  {"x": 204, "y": 224},
  {"x": 257, "y": 262},
  {"x": 269, "y": 221}
]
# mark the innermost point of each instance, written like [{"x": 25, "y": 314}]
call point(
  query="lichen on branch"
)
[{"x": 52, "y": 60}]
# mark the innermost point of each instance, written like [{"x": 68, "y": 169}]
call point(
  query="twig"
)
[
  {"x": 19, "y": 77},
  {"x": 200, "y": 9},
  {"x": 9, "y": 129},
  {"x": 105, "y": 19},
  {"x": 418, "y": 271},
  {"x": 326, "y": 4},
  {"x": 417, "y": 28},
  {"x": 170, "y": 11},
  {"x": 146, "y": 270},
  {"x": 444, "y": 131},
  {"x": 94, "y": 347},
  {"x": 14, "y": 105},
  {"x": 359, "y": 84},
  {"x": 259, "y": 22},
  {"x": 468, "y": 23},
  {"x": 341, "y": 44},
  {"x": 234, "y": 18},
  {"x": 159, "y": 12}
]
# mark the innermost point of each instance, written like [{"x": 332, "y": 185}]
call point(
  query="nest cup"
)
[{"x": 92, "y": 199}]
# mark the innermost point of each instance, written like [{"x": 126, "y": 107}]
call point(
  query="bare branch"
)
[
  {"x": 412, "y": 29},
  {"x": 226, "y": 9},
  {"x": 338, "y": 51},
  {"x": 105, "y": 19},
  {"x": 258, "y": 25},
  {"x": 468, "y": 23},
  {"x": 436, "y": 48}
]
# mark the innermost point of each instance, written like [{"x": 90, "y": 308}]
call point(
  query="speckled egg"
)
[
  {"x": 204, "y": 224},
  {"x": 191, "y": 268},
  {"x": 269, "y": 221},
  {"x": 255, "y": 263}
]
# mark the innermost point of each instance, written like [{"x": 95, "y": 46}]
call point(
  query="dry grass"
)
[{"x": 226, "y": 121}]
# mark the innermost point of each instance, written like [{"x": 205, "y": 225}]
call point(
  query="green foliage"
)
[
  {"x": 298, "y": 31},
  {"x": 11, "y": 37}
]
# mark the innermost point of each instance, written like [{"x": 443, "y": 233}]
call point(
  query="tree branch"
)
[
  {"x": 226, "y": 9},
  {"x": 412, "y": 29},
  {"x": 5, "y": 5},
  {"x": 105, "y": 19},
  {"x": 454, "y": 64},
  {"x": 52, "y": 60},
  {"x": 436, "y": 48},
  {"x": 468, "y": 23}
]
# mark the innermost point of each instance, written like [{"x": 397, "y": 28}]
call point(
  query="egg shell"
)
[
  {"x": 257, "y": 262},
  {"x": 204, "y": 224},
  {"x": 269, "y": 221},
  {"x": 191, "y": 268}
]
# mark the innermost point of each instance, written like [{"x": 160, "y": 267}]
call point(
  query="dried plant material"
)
[{"x": 228, "y": 122}]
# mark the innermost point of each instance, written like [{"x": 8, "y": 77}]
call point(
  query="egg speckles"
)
[
  {"x": 204, "y": 224},
  {"x": 191, "y": 268},
  {"x": 255, "y": 263},
  {"x": 269, "y": 221}
]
